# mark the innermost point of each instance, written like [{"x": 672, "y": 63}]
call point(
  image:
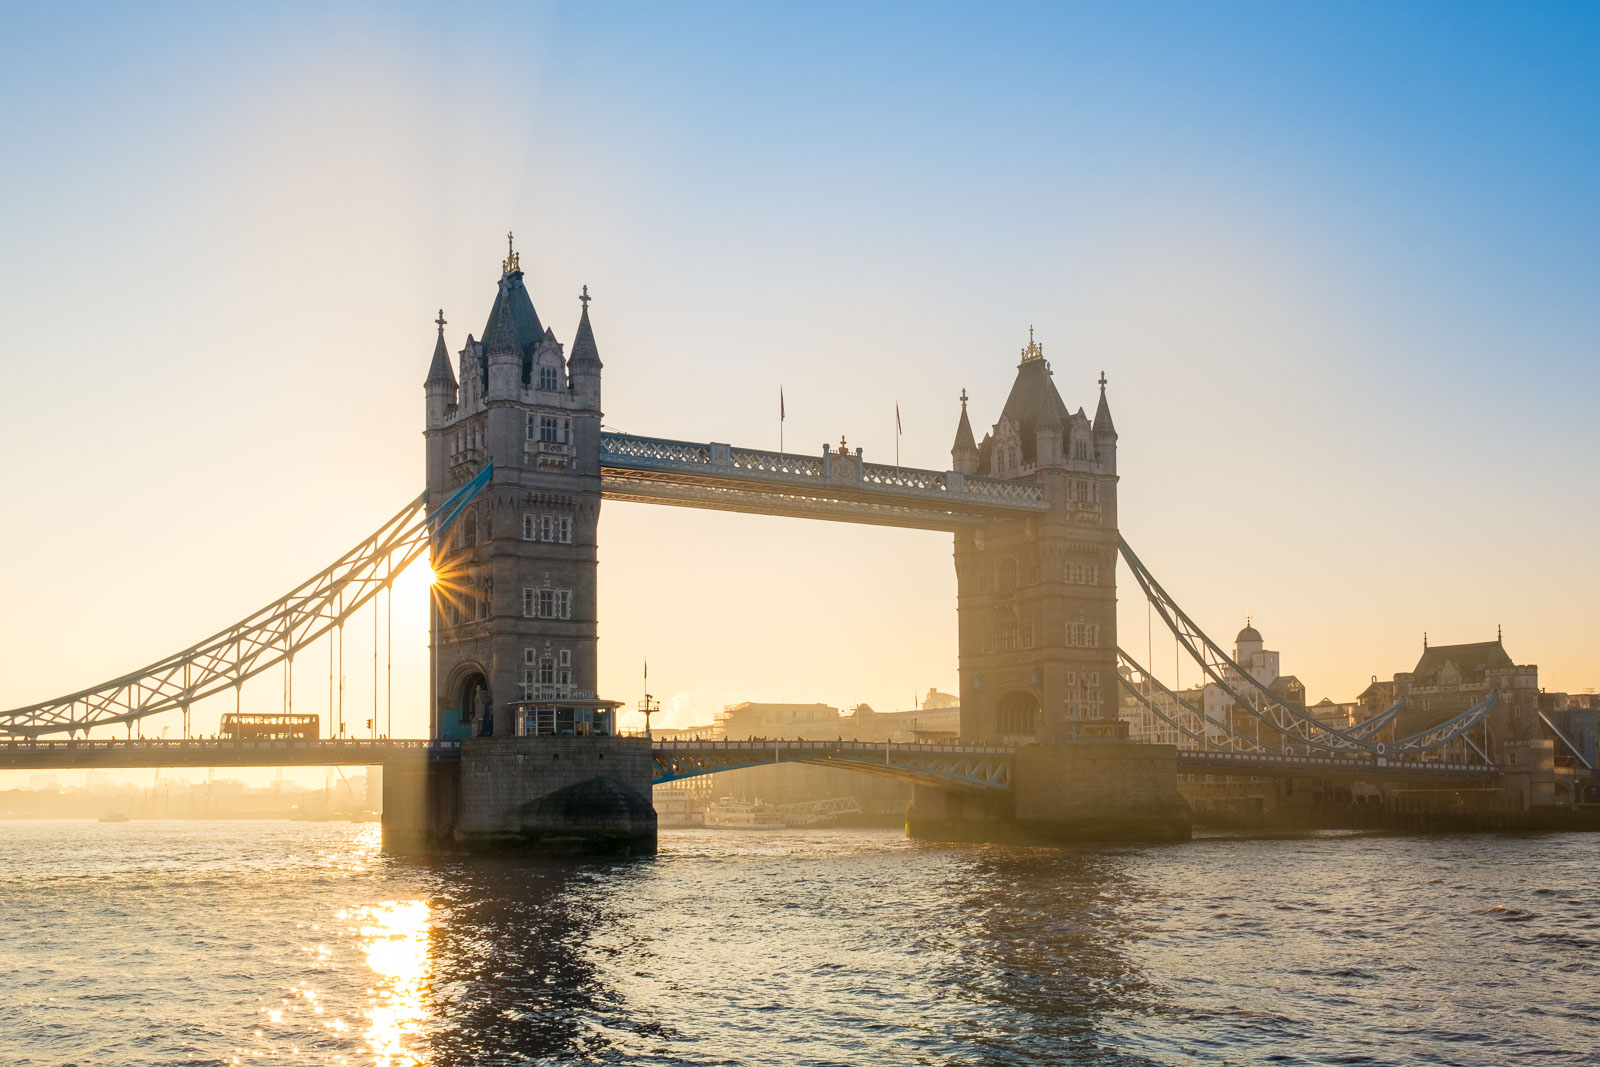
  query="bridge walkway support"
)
[
  {"x": 1079, "y": 791},
  {"x": 550, "y": 796}
]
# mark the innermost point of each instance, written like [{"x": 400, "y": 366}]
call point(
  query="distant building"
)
[
  {"x": 1339, "y": 716},
  {"x": 1221, "y": 713},
  {"x": 1577, "y": 716},
  {"x": 1450, "y": 679},
  {"x": 1375, "y": 699},
  {"x": 749, "y": 719},
  {"x": 939, "y": 721}
]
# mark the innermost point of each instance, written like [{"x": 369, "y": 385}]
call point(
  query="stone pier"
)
[
  {"x": 1080, "y": 791},
  {"x": 550, "y": 796}
]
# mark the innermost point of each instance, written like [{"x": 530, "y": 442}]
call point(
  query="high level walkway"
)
[{"x": 836, "y": 485}]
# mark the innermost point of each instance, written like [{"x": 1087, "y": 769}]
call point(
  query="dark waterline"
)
[{"x": 295, "y": 943}]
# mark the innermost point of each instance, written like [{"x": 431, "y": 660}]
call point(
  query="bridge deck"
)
[
  {"x": 1195, "y": 761},
  {"x": 112, "y": 753},
  {"x": 981, "y": 766}
]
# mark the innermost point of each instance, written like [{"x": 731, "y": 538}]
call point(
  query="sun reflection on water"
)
[{"x": 394, "y": 936}]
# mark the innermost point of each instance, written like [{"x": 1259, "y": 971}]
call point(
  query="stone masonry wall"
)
[{"x": 556, "y": 795}]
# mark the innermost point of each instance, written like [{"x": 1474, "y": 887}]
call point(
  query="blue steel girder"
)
[
  {"x": 1442, "y": 733},
  {"x": 1369, "y": 729},
  {"x": 1295, "y": 724},
  {"x": 1230, "y": 739},
  {"x": 977, "y": 767},
  {"x": 1302, "y": 732}
]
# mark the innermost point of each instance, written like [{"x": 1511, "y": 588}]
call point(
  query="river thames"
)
[{"x": 300, "y": 943}]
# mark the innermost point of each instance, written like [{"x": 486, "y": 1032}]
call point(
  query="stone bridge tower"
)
[
  {"x": 513, "y": 624},
  {"x": 1037, "y": 597}
]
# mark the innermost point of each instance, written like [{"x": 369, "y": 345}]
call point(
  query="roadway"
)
[{"x": 985, "y": 765}]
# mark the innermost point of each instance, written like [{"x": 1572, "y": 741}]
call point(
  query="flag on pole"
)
[
  {"x": 897, "y": 427},
  {"x": 780, "y": 404}
]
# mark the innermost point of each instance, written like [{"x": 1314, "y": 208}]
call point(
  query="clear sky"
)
[{"x": 1340, "y": 262}]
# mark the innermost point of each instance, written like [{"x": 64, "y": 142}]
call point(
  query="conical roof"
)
[
  {"x": 964, "y": 439},
  {"x": 512, "y": 319},
  {"x": 1032, "y": 394},
  {"x": 439, "y": 371},
  {"x": 584, "y": 350},
  {"x": 1102, "y": 414}
]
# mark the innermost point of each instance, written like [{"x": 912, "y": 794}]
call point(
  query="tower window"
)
[
  {"x": 548, "y": 428},
  {"x": 1083, "y": 634},
  {"x": 546, "y": 603},
  {"x": 547, "y": 378},
  {"x": 530, "y": 527},
  {"x": 1083, "y": 573}
]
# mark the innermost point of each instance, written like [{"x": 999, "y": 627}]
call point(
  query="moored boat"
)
[
  {"x": 730, "y": 813},
  {"x": 675, "y": 808}
]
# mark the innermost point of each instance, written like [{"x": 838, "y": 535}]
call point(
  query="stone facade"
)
[
  {"x": 1449, "y": 679},
  {"x": 1037, "y": 596},
  {"x": 556, "y": 795},
  {"x": 514, "y": 622}
]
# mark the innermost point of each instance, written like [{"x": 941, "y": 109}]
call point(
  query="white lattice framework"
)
[{"x": 259, "y": 641}]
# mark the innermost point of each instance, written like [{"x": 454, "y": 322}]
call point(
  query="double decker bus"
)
[{"x": 256, "y": 726}]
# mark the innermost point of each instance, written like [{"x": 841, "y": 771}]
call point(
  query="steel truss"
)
[
  {"x": 1231, "y": 739},
  {"x": 1301, "y": 733},
  {"x": 1440, "y": 734},
  {"x": 985, "y": 767},
  {"x": 261, "y": 640}
]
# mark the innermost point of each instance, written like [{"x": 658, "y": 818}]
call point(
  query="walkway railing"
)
[{"x": 218, "y": 752}]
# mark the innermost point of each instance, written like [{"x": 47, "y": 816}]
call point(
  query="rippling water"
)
[{"x": 272, "y": 942}]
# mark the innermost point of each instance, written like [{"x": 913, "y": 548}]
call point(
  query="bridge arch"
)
[
  {"x": 1017, "y": 714},
  {"x": 468, "y": 685}
]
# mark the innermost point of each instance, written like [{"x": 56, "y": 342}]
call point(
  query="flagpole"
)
[
  {"x": 781, "y": 415},
  {"x": 897, "y": 438}
]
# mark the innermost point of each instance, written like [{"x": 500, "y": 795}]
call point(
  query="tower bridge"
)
[{"x": 524, "y": 751}]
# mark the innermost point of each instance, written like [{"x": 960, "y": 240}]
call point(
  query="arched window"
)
[
  {"x": 469, "y": 528},
  {"x": 1005, "y": 574}
]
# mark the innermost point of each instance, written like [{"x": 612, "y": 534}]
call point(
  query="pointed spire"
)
[
  {"x": 439, "y": 372},
  {"x": 584, "y": 350},
  {"x": 964, "y": 440},
  {"x": 513, "y": 262},
  {"x": 1102, "y": 414}
]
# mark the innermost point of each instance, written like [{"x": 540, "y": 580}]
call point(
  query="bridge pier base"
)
[
  {"x": 419, "y": 806},
  {"x": 548, "y": 796},
  {"x": 1083, "y": 791}
]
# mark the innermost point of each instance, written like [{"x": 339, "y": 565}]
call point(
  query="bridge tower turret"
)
[
  {"x": 441, "y": 391},
  {"x": 1037, "y": 596},
  {"x": 515, "y": 630},
  {"x": 964, "y": 453}
]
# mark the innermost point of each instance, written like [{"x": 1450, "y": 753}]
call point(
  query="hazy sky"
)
[{"x": 1340, "y": 262}]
